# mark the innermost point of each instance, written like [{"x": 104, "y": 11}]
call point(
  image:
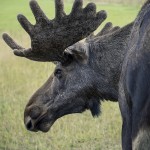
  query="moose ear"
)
[
  {"x": 79, "y": 51},
  {"x": 80, "y": 56}
]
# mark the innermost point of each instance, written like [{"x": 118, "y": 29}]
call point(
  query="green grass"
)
[{"x": 19, "y": 78}]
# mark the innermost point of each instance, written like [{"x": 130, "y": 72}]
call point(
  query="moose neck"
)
[{"x": 106, "y": 57}]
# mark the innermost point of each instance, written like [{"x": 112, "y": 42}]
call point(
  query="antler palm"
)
[{"x": 49, "y": 38}]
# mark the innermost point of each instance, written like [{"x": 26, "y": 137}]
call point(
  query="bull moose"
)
[{"x": 86, "y": 71}]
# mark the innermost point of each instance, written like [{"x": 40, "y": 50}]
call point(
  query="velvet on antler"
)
[
  {"x": 107, "y": 29},
  {"x": 49, "y": 38}
]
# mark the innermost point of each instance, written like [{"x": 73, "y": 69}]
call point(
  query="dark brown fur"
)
[{"x": 135, "y": 85}]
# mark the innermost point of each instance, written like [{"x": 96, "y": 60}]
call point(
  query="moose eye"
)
[{"x": 58, "y": 73}]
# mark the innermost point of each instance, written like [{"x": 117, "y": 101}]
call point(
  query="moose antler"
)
[
  {"x": 107, "y": 29},
  {"x": 49, "y": 38}
]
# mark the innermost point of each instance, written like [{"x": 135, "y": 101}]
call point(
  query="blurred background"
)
[
  {"x": 124, "y": 2},
  {"x": 20, "y": 78}
]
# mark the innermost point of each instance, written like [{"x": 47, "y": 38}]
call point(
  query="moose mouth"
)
[
  {"x": 47, "y": 118},
  {"x": 42, "y": 124}
]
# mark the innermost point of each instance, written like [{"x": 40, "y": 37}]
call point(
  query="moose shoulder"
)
[{"x": 134, "y": 86}]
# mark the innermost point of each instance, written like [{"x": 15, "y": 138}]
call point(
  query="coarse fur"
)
[
  {"x": 134, "y": 86},
  {"x": 142, "y": 141}
]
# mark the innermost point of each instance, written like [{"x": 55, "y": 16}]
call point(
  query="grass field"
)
[{"x": 19, "y": 78}]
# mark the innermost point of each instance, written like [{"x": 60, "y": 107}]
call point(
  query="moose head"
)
[{"x": 86, "y": 71}]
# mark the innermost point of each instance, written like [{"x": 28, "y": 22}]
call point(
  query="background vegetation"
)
[
  {"x": 19, "y": 78},
  {"x": 123, "y": 2}
]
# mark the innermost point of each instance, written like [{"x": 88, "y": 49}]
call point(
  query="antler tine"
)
[
  {"x": 37, "y": 11},
  {"x": 101, "y": 16},
  {"x": 28, "y": 27},
  {"x": 77, "y": 7},
  {"x": 39, "y": 15},
  {"x": 10, "y": 42},
  {"x": 59, "y": 11},
  {"x": 90, "y": 10},
  {"x": 17, "y": 49},
  {"x": 105, "y": 29}
]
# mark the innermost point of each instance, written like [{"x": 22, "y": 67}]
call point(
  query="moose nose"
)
[
  {"x": 29, "y": 124},
  {"x": 31, "y": 115}
]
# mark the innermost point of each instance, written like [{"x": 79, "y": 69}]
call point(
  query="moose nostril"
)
[{"x": 29, "y": 125}]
